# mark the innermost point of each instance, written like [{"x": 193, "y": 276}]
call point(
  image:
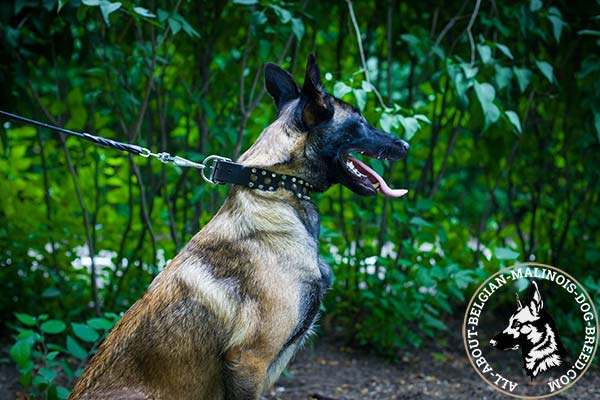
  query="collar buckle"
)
[{"x": 210, "y": 163}]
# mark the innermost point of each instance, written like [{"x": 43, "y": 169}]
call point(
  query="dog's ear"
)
[
  {"x": 280, "y": 84},
  {"x": 535, "y": 298},
  {"x": 318, "y": 107},
  {"x": 519, "y": 304}
]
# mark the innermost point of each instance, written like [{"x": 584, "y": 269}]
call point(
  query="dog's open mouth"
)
[{"x": 367, "y": 179}]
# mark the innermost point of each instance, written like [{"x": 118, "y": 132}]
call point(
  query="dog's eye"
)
[{"x": 517, "y": 325}]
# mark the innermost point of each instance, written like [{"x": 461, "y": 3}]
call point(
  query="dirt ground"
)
[
  {"x": 330, "y": 372},
  {"x": 325, "y": 370}
]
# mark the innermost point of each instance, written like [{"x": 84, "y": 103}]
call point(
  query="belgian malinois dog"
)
[
  {"x": 531, "y": 329},
  {"x": 224, "y": 318}
]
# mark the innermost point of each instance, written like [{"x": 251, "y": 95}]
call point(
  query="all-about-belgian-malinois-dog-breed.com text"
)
[{"x": 224, "y": 318}]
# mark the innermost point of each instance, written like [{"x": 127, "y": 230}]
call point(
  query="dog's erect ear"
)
[
  {"x": 280, "y": 85},
  {"x": 535, "y": 298},
  {"x": 519, "y": 304},
  {"x": 317, "y": 108}
]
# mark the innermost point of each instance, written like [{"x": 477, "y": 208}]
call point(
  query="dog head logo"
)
[
  {"x": 532, "y": 329},
  {"x": 317, "y": 137}
]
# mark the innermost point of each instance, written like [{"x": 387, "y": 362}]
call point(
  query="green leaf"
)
[
  {"x": 298, "y": 28},
  {"x": 340, "y": 89},
  {"x": 20, "y": 353},
  {"x": 174, "y": 25},
  {"x": 62, "y": 392},
  {"x": 588, "y": 32},
  {"x": 85, "y": 333},
  {"x": 162, "y": 15},
  {"x": 75, "y": 349},
  {"x": 546, "y": 69},
  {"x": 187, "y": 28},
  {"x": 485, "y": 53},
  {"x": 61, "y": 4},
  {"x": 108, "y": 8},
  {"x": 25, "y": 319},
  {"x": 245, "y": 2},
  {"x": 486, "y": 95},
  {"x": 535, "y": 5},
  {"x": 361, "y": 98},
  {"x": 555, "y": 18},
  {"x": 387, "y": 121},
  {"x": 284, "y": 15},
  {"x": 51, "y": 292},
  {"x": 503, "y": 253},
  {"x": 597, "y": 124},
  {"x": 144, "y": 12},
  {"x": 366, "y": 86},
  {"x": 411, "y": 126},
  {"x": 470, "y": 72},
  {"x": 91, "y": 3},
  {"x": 513, "y": 117},
  {"x": 258, "y": 18},
  {"x": 48, "y": 374},
  {"x": 504, "y": 50},
  {"x": 503, "y": 76},
  {"x": 435, "y": 323},
  {"x": 523, "y": 76},
  {"x": 419, "y": 222},
  {"x": 100, "y": 323},
  {"x": 422, "y": 118},
  {"x": 53, "y": 327}
]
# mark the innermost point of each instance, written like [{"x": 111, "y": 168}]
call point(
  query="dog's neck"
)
[
  {"x": 280, "y": 147},
  {"x": 279, "y": 213},
  {"x": 544, "y": 354}
]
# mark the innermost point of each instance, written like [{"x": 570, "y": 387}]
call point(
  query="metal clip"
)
[
  {"x": 212, "y": 168},
  {"x": 183, "y": 162},
  {"x": 164, "y": 157}
]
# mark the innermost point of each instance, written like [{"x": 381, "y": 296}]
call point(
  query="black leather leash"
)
[{"x": 214, "y": 169}]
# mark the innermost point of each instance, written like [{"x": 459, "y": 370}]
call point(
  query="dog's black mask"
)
[{"x": 334, "y": 129}]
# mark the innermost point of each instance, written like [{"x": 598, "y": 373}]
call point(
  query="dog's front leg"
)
[
  {"x": 325, "y": 270},
  {"x": 244, "y": 373}
]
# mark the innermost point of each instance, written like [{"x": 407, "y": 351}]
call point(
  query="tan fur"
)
[{"x": 217, "y": 317}]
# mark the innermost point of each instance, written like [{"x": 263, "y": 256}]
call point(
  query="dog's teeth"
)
[
  {"x": 376, "y": 185},
  {"x": 352, "y": 168}
]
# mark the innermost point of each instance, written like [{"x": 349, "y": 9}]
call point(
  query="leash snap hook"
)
[{"x": 210, "y": 163}]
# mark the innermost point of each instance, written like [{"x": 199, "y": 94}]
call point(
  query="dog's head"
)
[
  {"x": 525, "y": 325},
  {"x": 315, "y": 135}
]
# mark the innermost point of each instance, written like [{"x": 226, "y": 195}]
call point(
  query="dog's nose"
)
[
  {"x": 493, "y": 342},
  {"x": 403, "y": 145}
]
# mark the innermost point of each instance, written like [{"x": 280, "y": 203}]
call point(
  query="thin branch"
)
[
  {"x": 449, "y": 149},
  {"x": 469, "y": 26},
  {"x": 362, "y": 52}
]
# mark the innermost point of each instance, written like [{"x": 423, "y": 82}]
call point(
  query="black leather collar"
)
[{"x": 226, "y": 171}]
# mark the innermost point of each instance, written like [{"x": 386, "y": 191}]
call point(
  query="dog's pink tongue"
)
[{"x": 374, "y": 177}]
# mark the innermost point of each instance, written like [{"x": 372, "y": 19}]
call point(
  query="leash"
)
[{"x": 214, "y": 169}]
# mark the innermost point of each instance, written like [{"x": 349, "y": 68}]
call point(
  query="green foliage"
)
[
  {"x": 503, "y": 119},
  {"x": 48, "y": 367}
]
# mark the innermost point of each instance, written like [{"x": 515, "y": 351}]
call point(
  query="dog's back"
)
[{"x": 227, "y": 278}]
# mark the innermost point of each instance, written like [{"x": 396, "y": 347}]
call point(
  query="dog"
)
[
  {"x": 224, "y": 318},
  {"x": 533, "y": 330}
]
